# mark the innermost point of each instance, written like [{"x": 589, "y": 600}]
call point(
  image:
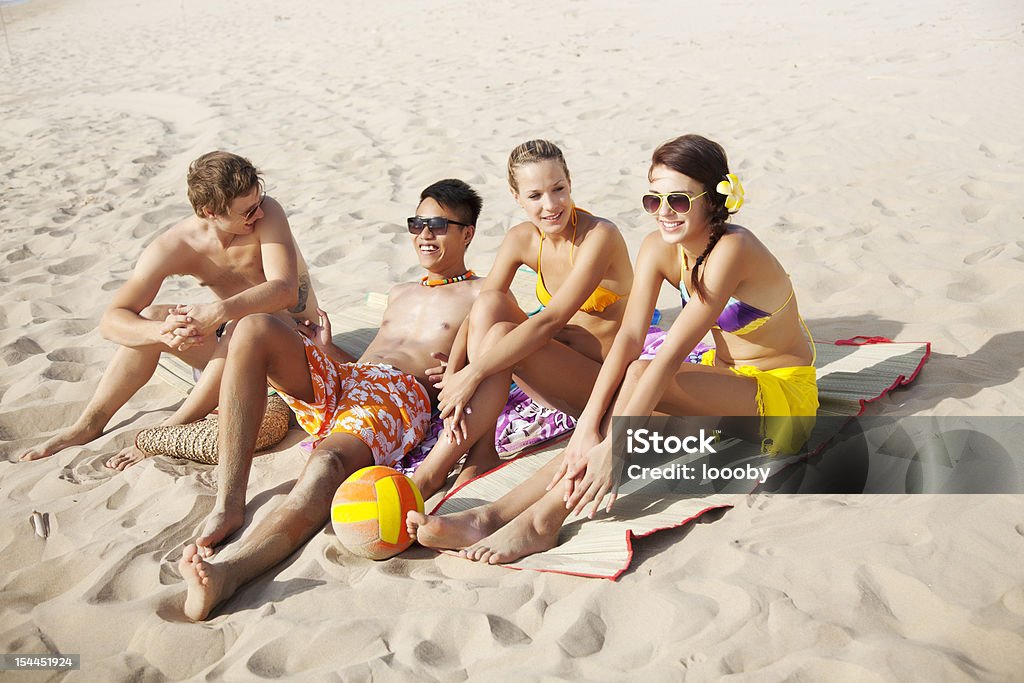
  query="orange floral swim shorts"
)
[{"x": 382, "y": 406}]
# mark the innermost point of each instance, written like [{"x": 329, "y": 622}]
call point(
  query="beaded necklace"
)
[{"x": 447, "y": 281}]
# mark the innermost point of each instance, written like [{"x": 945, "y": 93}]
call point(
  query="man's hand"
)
[
  {"x": 177, "y": 333},
  {"x": 205, "y": 317},
  {"x": 319, "y": 334},
  {"x": 435, "y": 375}
]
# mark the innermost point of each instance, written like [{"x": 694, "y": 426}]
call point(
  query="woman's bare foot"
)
[
  {"x": 205, "y": 584},
  {"x": 75, "y": 435},
  {"x": 452, "y": 532},
  {"x": 219, "y": 525},
  {"x": 126, "y": 458},
  {"x": 529, "y": 533}
]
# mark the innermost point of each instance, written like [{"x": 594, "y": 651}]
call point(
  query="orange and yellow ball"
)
[{"x": 368, "y": 512}]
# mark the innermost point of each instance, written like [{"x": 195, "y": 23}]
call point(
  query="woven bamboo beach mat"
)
[{"x": 850, "y": 376}]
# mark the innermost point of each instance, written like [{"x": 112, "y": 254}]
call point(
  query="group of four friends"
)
[{"x": 453, "y": 342}]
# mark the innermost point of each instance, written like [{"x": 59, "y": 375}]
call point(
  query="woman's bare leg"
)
[
  {"x": 493, "y": 315},
  {"x": 697, "y": 390}
]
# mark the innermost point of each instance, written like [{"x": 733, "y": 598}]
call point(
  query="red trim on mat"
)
[
  {"x": 630, "y": 535},
  {"x": 901, "y": 380}
]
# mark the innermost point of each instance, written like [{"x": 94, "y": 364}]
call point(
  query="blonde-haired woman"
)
[{"x": 583, "y": 275}]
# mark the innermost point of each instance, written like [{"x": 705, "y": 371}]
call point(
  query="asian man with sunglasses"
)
[
  {"x": 237, "y": 244},
  {"x": 369, "y": 411}
]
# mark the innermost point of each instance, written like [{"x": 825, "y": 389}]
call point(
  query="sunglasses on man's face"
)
[
  {"x": 252, "y": 212},
  {"x": 438, "y": 225},
  {"x": 680, "y": 202}
]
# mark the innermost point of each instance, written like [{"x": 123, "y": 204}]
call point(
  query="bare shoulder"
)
[
  {"x": 657, "y": 251},
  {"x": 522, "y": 234},
  {"x": 739, "y": 242},
  {"x": 604, "y": 232},
  {"x": 274, "y": 224},
  {"x": 173, "y": 249}
]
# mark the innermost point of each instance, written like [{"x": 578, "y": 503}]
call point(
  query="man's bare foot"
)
[
  {"x": 529, "y": 533},
  {"x": 219, "y": 526},
  {"x": 126, "y": 458},
  {"x": 204, "y": 584},
  {"x": 451, "y": 532},
  {"x": 74, "y": 435}
]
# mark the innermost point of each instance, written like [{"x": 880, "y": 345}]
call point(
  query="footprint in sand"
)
[
  {"x": 65, "y": 372},
  {"x": 585, "y": 637},
  {"x": 977, "y": 190},
  {"x": 20, "y": 349},
  {"x": 67, "y": 355},
  {"x": 74, "y": 265},
  {"x": 898, "y": 281},
  {"x": 505, "y": 632},
  {"x": 19, "y": 255},
  {"x": 329, "y": 257},
  {"x": 984, "y": 254},
  {"x": 431, "y": 654},
  {"x": 111, "y": 285},
  {"x": 974, "y": 213},
  {"x": 881, "y": 207}
]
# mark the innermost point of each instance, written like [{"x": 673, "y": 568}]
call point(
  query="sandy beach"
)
[{"x": 882, "y": 165}]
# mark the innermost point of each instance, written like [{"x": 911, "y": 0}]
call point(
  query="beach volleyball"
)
[{"x": 368, "y": 512}]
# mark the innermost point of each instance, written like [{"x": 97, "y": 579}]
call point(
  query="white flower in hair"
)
[{"x": 733, "y": 191}]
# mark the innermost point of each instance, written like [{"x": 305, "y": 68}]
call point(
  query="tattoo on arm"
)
[{"x": 303, "y": 294}]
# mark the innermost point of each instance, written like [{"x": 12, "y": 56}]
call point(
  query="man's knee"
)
[
  {"x": 155, "y": 312},
  {"x": 254, "y": 327},
  {"x": 328, "y": 459}
]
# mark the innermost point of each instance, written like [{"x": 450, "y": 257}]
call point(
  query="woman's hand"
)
[
  {"x": 457, "y": 389},
  {"x": 581, "y": 441},
  {"x": 595, "y": 476}
]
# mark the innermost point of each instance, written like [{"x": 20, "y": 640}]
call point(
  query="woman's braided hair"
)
[{"x": 705, "y": 161}]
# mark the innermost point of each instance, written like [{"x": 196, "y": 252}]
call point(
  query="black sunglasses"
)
[{"x": 438, "y": 225}]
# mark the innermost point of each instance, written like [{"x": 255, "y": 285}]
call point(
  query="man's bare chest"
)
[{"x": 235, "y": 267}]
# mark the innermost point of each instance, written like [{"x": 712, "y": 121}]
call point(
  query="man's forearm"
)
[
  {"x": 127, "y": 328},
  {"x": 267, "y": 297}
]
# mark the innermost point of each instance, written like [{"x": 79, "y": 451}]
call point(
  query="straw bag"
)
[{"x": 198, "y": 440}]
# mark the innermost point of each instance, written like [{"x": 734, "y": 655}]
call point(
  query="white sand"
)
[{"x": 881, "y": 151}]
